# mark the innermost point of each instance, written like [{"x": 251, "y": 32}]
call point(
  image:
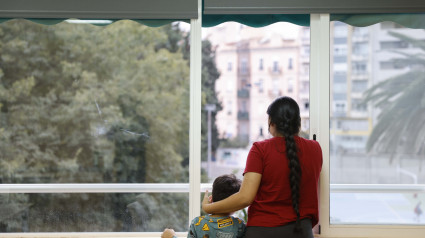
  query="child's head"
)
[{"x": 224, "y": 186}]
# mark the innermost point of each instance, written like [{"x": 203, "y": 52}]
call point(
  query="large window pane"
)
[
  {"x": 90, "y": 104},
  {"x": 377, "y": 125},
  {"x": 73, "y": 212},
  {"x": 255, "y": 66}
]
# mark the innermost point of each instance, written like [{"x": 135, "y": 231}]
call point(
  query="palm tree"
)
[{"x": 400, "y": 127}]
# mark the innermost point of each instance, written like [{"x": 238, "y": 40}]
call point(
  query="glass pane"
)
[
  {"x": 377, "y": 124},
  {"x": 247, "y": 69},
  {"x": 93, "y": 212},
  {"x": 86, "y": 104},
  {"x": 244, "y": 70}
]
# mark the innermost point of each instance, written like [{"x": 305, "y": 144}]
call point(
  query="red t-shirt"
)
[{"x": 272, "y": 205}]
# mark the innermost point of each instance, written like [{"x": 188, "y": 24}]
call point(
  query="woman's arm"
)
[{"x": 243, "y": 198}]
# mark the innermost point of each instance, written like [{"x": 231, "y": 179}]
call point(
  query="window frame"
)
[{"x": 319, "y": 125}]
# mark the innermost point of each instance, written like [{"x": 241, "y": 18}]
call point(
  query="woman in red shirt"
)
[{"x": 280, "y": 179}]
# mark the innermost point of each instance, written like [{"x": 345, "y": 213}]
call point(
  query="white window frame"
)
[
  {"x": 193, "y": 188},
  {"x": 319, "y": 124}
]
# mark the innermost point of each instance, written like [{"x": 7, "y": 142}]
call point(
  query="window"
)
[
  {"x": 340, "y": 59},
  {"x": 229, "y": 66},
  {"x": 263, "y": 86},
  {"x": 362, "y": 153},
  {"x": 403, "y": 198},
  {"x": 359, "y": 67},
  {"x": 276, "y": 66},
  {"x": 359, "y": 86},
  {"x": 83, "y": 104},
  {"x": 357, "y": 105},
  {"x": 361, "y": 48},
  {"x": 244, "y": 66}
]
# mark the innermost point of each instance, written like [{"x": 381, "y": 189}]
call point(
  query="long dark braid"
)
[{"x": 285, "y": 114}]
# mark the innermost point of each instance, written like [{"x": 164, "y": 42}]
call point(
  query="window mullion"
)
[
  {"x": 319, "y": 104},
  {"x": 195, "y": 115}
]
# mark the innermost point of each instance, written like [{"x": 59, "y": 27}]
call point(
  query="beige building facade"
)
[{"x": 258, "y": 65}]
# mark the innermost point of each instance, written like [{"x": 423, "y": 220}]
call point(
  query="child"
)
[{"x": 216, "y": 225}]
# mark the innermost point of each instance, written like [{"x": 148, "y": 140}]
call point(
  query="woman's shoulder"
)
[{"x": 308, "y": 143}]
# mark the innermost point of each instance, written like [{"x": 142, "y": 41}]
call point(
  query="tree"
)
[
  {"x": 400, "y": 126},
  {"x": 180, "y": 41},
  {"x": 88, "y": 104}
]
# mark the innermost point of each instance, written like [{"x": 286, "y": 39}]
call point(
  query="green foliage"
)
[
  {"x": 87, "y": 104},
  {"x": 400, "y": 126}
]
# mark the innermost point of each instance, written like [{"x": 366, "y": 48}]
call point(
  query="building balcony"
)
[
  {"x": 243, "y": 115},
  {"x": 243, "y": 71},
  {"x": 275, "y": 71},
  {"x": 359, "y": 75},
  {"x": 243, "y": 93}
]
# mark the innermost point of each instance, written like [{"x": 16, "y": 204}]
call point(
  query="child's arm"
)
[{"x": 237, "y": 201}]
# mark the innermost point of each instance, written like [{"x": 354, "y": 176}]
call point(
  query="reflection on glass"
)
[
  {"x": 269, "y": 62},
  {"x": 377, "y": 122},
  {"x": 87, "y": 104},
  {"x": 93, "y": 212}
]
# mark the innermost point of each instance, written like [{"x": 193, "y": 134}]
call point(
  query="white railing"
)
[{"x": 184, "y": 188}]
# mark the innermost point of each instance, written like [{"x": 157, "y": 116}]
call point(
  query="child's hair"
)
[{"x": 224, "y": 186}]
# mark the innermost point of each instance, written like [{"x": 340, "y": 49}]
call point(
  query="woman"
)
[{"x": 280, "y": 179}]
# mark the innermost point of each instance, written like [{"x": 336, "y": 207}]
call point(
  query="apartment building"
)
[{"x": 258, "y": 65}]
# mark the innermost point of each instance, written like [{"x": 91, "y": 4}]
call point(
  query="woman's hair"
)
[{"x": 284, "y": 113}]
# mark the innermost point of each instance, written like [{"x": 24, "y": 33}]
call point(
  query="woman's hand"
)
[
  {"x": 206, "y": 201},
  {"x": 246, "y": 195}
]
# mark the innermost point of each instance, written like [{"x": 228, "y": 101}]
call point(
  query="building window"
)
[
  {"x": 290, "y": 66},
  {"x": 260, "y": 67},
  {"x": 260, "y": 86},
  {"x": 229, "y": 66},
  {"x": 359, "y": 67},
  {"x": 275, "y": 66},
  {"x": 359, "y": 86},
  {"x": 244, "y": 66}
]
